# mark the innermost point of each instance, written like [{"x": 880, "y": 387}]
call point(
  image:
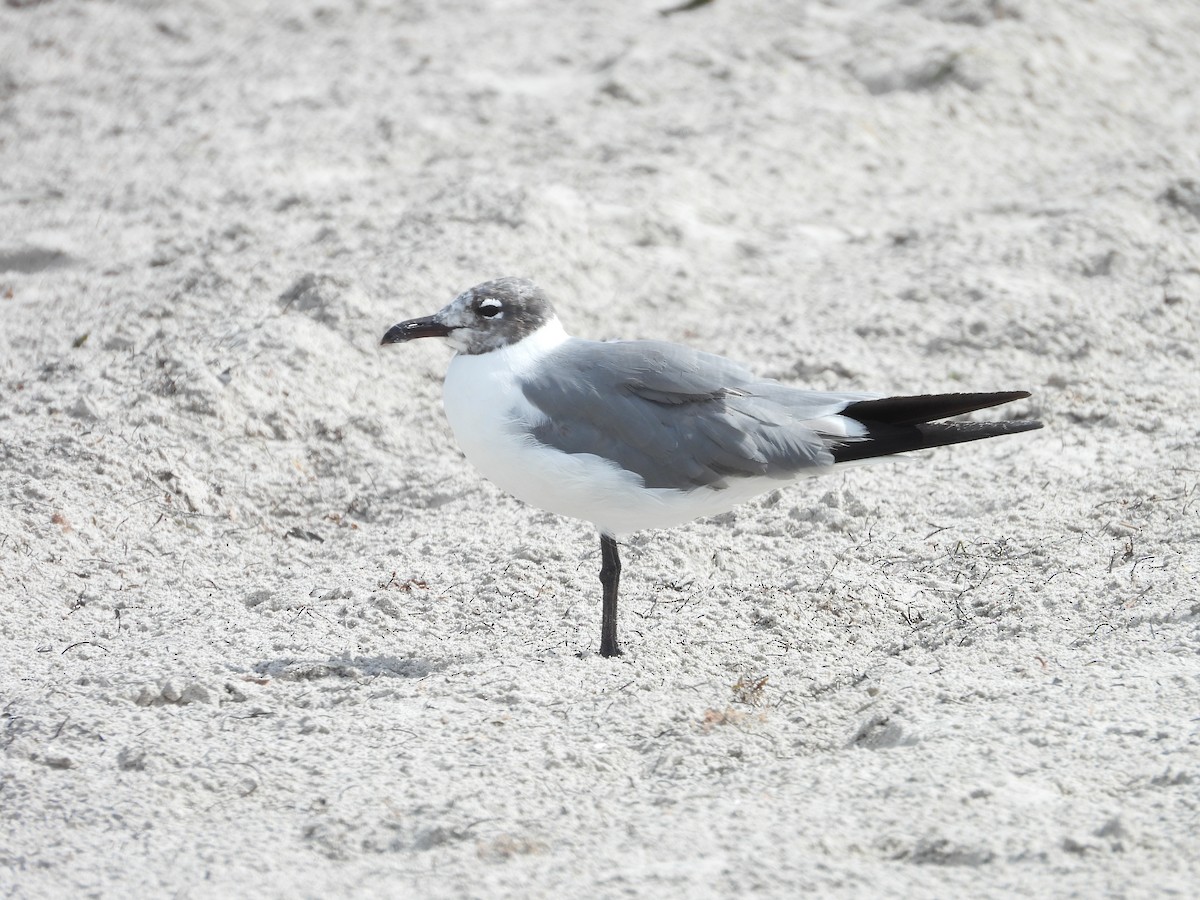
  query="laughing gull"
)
[{"x": 646, "y": 434}]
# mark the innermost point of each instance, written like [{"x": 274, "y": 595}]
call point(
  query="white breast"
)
[{"x": 491, "y": 419}]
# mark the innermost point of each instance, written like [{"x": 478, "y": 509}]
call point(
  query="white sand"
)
[{"x": 263, "y": 631}]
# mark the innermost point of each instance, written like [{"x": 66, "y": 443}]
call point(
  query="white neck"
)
[{"x": 530, "y": 350}]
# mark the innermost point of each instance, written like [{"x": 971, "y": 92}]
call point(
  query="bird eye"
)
[{"x": 490, "y": 308}]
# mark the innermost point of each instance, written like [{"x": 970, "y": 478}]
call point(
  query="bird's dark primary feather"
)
[
  {"x": 926, "y": 407},
  {"x": 901, "y": 424}
]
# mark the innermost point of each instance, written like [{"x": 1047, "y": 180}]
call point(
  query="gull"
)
[{"x": 630, "y": 435}]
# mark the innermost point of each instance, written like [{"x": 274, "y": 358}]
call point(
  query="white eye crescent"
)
[{"x": 490, "y": 307}]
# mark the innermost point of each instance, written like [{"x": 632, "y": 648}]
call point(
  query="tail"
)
[{"x": 900, "y": 424}]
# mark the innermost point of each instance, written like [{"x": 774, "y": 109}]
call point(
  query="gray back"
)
[{"x": 677, "y": 417}]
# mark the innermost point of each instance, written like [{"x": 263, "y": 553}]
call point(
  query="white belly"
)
[{"x": 491, "y": 420}]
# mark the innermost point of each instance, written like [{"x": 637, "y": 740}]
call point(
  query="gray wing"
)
[{"x": 678, "y": 417}]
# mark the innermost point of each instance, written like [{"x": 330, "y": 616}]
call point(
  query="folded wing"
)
[{"x": 683, "y": 419}]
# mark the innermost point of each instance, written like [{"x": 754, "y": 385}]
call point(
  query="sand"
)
[{"x": 263, "y": 630}]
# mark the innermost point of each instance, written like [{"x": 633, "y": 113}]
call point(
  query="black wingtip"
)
[
  {"x": 927, "y": 407},
  {"x": 887, "y": 440},
  {"x": 900, "y": 424}
]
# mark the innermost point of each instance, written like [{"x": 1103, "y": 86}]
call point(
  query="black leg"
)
[{"x": 610, "y": 577}]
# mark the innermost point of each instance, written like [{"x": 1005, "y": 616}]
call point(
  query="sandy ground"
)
[{"x": 263, "y": 631}]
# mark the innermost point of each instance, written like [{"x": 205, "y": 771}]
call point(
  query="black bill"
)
[{"x": 426, "y": 326}]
